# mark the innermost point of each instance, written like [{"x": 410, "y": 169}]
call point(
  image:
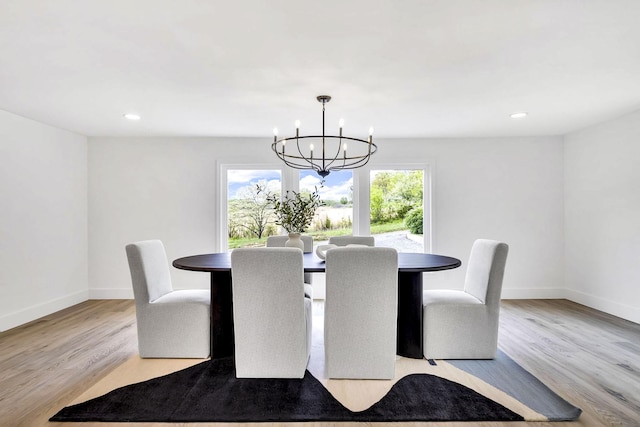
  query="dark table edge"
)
[{"x": 457, "y": 263}]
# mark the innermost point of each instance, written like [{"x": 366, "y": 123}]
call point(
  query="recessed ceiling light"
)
[
  {"x": 519, "y": 115},
  {"x": 131, "y": 116}
]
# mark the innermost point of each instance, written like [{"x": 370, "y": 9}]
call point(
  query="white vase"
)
[{"x": 295, "y": 241}]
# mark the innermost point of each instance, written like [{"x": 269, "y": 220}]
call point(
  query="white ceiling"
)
[{"x": 411, "y": 68}]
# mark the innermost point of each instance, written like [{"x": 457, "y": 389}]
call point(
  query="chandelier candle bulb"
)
[{"x": 311, "y": 150}]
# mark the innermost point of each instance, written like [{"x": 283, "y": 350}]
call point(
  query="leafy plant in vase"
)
[{"x": 295, "y": 212}]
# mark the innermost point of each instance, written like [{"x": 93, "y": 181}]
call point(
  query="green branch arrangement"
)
[{"x": 295, "y": 211}]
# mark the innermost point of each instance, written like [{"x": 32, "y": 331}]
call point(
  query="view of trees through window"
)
[
  {"x": 396, "y": 206},
  {"x": 249, "y": 216},
  {"x": 335, "y": 218}
]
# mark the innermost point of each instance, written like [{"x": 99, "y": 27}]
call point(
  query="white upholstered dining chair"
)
[
  {"x": 463, "y": 324},
  {"x": 170, "y": 323},
  {"x": 352, "y": 240},
  {"x": 271, "y": 316},
  {"x": 279, "y": 241},
  {"x": 360, "y": 315}
]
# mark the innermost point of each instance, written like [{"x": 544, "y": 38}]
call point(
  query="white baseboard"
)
[
  {"x": 623, "y": 311},
  {"x": 111, "y": 293},
  {"x": 547, "y": 293},
  {"x": 34, "y": 312},
  {"x": 117, "y": 293}
]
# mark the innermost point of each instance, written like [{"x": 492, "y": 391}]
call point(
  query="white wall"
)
[
  {"x": 43, "y": 220},
  {"x": 503, "y": 188},
  {"x": 507, "y": 189},
  {"x": 155, "y": 188},
  {"x": 602, "y": 216}
]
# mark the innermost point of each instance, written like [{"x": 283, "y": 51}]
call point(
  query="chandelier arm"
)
[
  {"x": 290, "y": 160},
  {"x": 328, "y": 167},
  {"x": 300, "y": 166},
  {"x": 309, "y": 161},
  {"x": 357, "y": 161},
  {"x": 300, "y": 162}
]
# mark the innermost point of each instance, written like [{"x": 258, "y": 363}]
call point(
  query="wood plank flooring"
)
[{"x": 590, "y": 358}]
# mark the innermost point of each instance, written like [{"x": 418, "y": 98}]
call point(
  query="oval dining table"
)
[{"x": 410, "y": 269}]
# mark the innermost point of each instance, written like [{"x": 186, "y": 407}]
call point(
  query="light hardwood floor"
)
[{"x": 590, "y": 358}]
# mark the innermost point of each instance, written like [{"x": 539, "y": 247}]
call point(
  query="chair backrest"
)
[
  {"x": 268, "y": 311},
  {"x": 149, "y": 269},
  {"x": 486, "y": 270},
  {"x": 279, "y": 241},
  {"x": 352, "y": 240},
  {"x": 361, "y": 312}
]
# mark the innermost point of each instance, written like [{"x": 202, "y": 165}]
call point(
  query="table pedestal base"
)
[
  {"x": 409, "y": 332},
  {"x": 222, "y": 341},
  {"x": 409, "y": 338}
]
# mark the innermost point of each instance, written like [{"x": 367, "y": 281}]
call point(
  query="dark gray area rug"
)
[
  {"x": 210, "y": 392},
  {"x": 506, "y": 375}
]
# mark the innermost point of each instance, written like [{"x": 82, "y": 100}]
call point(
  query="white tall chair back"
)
[
  {"x": 485, "y": 271},
  {"x": 149, "y": 269},
  {"x": 352, "y": 240},
  {"x": 279, "y": 241},
  {"x": 272, "y": 317},
  {"x": 361, "y": 312}
]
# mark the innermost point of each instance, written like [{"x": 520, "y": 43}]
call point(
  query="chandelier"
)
[{"x": 331, "y": 150}]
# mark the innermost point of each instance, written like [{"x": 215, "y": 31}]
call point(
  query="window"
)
[
  {"x": 336, "y": 217},
  {"x": 247, "y": 215},
  {"x": 389, "y": 202},
  {"x": 396, "y": 208}
]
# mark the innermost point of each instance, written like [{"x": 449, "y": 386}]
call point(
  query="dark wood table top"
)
[{"x": 407, "y": 262}]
